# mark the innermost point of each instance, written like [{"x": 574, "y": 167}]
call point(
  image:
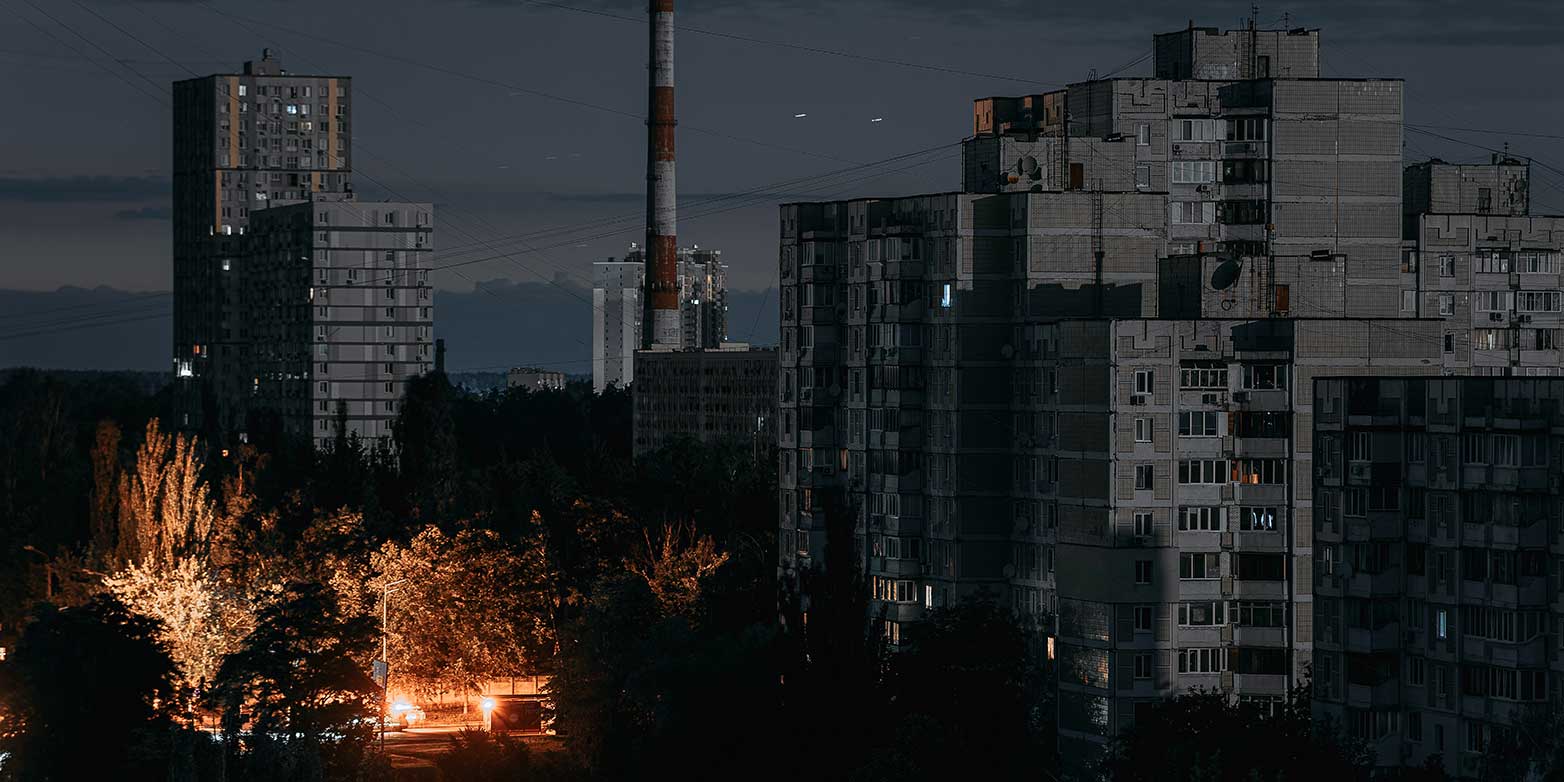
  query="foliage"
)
[
  {"x": 478, "y": 756},
  {"x": 469, "y": 608},
  {"x": 97, "y": 670},
  {"x": 675, "y": 566},
  {"x": 202, "y": 618},
  {"x": 166, "y": 507},
  {"x": 301, "y": 687},
  {"x": 1204, "y": 735}
]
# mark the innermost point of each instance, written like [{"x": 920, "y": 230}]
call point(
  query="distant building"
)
[
  {"x": 1436, "y": 519},
  {"x": 617, "y": 311},
  {"x": 535, "y": 379},
  {"x": 243, "y": 142},
  {"x": 709, "y": 395},
  {"x": 295, "y": 306},
  {"x": 618, "y": 308},
  {"x": 339, "y": 314}
]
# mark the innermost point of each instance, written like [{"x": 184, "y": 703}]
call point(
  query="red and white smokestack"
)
[{"x": 662, "y": 329}]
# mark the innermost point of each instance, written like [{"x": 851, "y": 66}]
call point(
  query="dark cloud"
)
[
  {"x": 145, "y": 213},
  {"x": 98, "y": 188}
]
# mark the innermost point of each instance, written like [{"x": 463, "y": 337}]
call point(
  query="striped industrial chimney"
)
[{"x": 662, "y": 326}]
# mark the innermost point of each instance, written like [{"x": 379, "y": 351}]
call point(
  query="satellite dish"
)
[
  {"x": 1225, "y": 275},
  {"x": 1028, "y": 164}
]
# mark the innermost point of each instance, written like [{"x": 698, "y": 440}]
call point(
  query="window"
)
[
  {"x": 1360, "y": 447},
  {"x": 1446, "y": 304},
  {"x": 1408, "y": 261},
  {"x": 1143, "y": 659},
  {"x": 1409, "y": 301},
  {"x": 1205, "y": 613},
  {"x": 1493, "y": 301},
  {"x": 1208, "y": 471},
  {"x": 1537, "y": 301},
  {"x": 1142, "y": 524},
  {"x": 1143, "y": 381},
  {"x": 1192, "y": 212},
  {"x": 1258, "y": 518},
  {"x": 1447, "y": 266},
  {"x": 1143, "y": 430},
  {"x": 1199, "y": 566},
  {"x": 1143, "y": 571},
  {"x": 1142, "y": 619},
  {"x": 1246, "y": 129},
  {"x": 1258, "y": 613},
  {"x": 1535, "y": 262},
  {"x": 1193, "y": 172},
  {"x": 1441, "y": 623},
  {"x": 1143, "y": 176},
  {"x": 1200, "y": 518},
  {"x": 1260, "y": 377},
  {"x": 1259, "y": 567},
  {"x": 1143, "y": 134},
  {"x": 1356, "y": 502},
  {"x": 1197, "y": 129},
  {"x": 1260, "y": 471},
  {"x": 1202, "y": 660},
  {"x": 1143, "y": 480},
  {"x": 1203, "y": 376},
  {"x": 1198, "y": 423}
]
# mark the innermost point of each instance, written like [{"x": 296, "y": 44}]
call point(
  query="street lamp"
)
[
  {"x": 385, "y": 661},
  {"x": 48, "y": 572}
]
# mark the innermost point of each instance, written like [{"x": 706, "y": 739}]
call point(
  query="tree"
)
[
  {"x": 94, "y": 676},
  {"x": 1204, "y": 735},
  {"x": 202, "y": 618},
  {"x": 300, "y": 683},
  {"x": 426, "y": 445},
  {"x": 166, "y": 507},
  {"x": 675, "y": 567},
  {"x": 105, "y": 488},
  {"x": 965, "y": 686},
  {"x": 469, "y": 608}
]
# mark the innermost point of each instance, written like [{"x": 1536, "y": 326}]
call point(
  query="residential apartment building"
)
[
  {"x": 618, "y": 309},
  {"x": 1476, "y": 256},
  {"x": 242, "y": 142},
  {"x": 710, "y": 395},
  {"x": 1083, "y": 382},
  {"x": 339, "y": 313},
  {"x": 1438, "y": 568}
]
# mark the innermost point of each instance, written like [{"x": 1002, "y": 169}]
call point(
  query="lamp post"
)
[
  {"x": 48, "y": 572},
  {"x": 385, "y": 661}
]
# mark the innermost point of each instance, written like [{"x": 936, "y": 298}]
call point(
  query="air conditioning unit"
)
[
  {"x": 1496, "y": 316},
  {"x": 1138, "y": 400},
  {"x": 1240, "y": 396},
  {"x": 1525, "y": 318},
  {"x": 1359, "y": 471}
]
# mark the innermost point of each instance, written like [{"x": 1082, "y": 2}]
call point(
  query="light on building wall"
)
[{"x": 944, "y": 299}]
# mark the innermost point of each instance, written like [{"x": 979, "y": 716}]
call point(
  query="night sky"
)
[{"x": 84, "y": 174}]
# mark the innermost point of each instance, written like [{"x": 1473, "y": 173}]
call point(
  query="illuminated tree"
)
[
  {"x": 166, "y": 508},
  {"x": 675, "y": 565},
  {"x": 203, "y": 620}
]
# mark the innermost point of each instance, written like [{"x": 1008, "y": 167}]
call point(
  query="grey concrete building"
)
[
  {"x": 535, "y": 379},
  {"x": 1475, "y": 256},
  {"x": 1437, "y": 608},
  {"x": 618, "y": 310},
  {"x": 709, "y": 395},
  {"x": 242, "y": 142},
  {"x": 1084, "y": 382},
  {"x": 339, "y": 313}
]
